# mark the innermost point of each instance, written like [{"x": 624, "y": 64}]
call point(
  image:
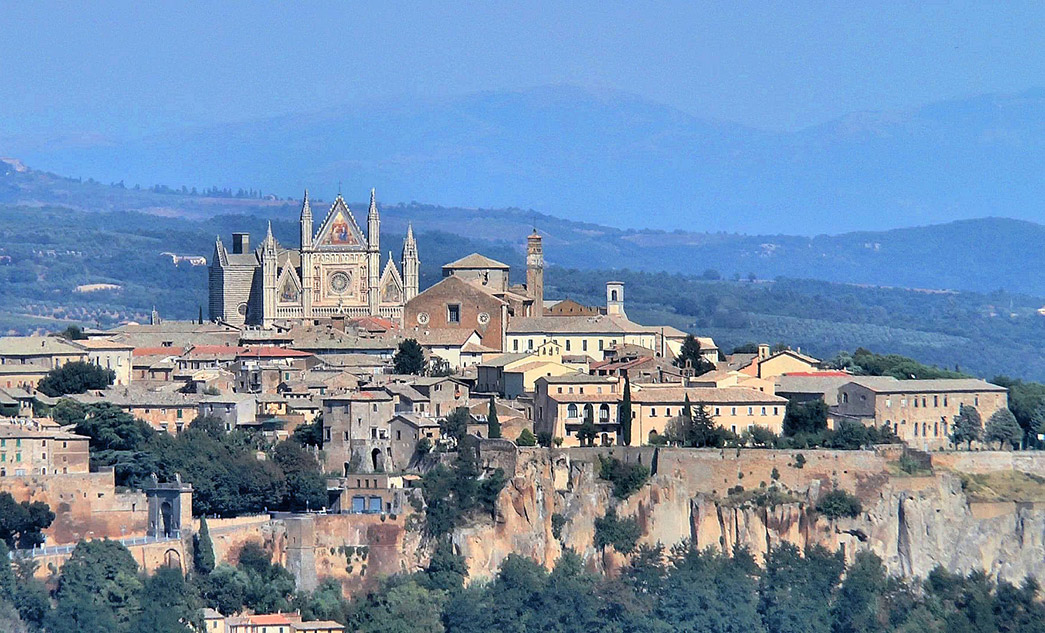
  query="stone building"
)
[
  {"x": 27, "y": 448},
  {"x": 335, "y": 271},
  {"x": 920, "y": 412}
]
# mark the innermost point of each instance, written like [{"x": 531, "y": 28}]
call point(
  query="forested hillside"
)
[{"x": 47, "y": 252}]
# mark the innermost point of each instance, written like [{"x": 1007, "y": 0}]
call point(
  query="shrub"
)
[
  {"x": 839, "y": 503},
  {"x": 424, "y": 446},
  {"x": 622, "y": 534},
  {"x": 558, "y": 521},
  {"x": 775, "y": 475},
  {"x": 626, "y": 478},
  {"x": 800, "y": 460},
  {"x": 526, "y": 438}
]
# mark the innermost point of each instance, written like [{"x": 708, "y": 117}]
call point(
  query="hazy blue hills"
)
[
  {"x": 612, "y": 158},
  {"x": 979, "y": 255}
]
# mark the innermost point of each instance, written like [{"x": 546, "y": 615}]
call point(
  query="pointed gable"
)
[
  {"x": 391, "y": 284},
  {"x": 339, "y": 230},
  {"x": 288, "y": 288}
]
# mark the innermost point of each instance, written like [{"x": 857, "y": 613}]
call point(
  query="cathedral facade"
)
[{"x": 335, "y": 271}]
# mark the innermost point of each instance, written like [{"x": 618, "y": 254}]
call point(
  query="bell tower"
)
[{"x": 535, "y": 272}]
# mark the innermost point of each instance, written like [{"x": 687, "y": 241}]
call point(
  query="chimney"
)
[{"x": 240, "y": 243}]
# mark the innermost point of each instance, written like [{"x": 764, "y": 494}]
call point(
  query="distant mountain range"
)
[
  {"x": 611, "y": 158},
  {"x": 979, "y": 255}
]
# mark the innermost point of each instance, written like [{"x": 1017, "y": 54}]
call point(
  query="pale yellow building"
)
[
  {"x": 512, "y": 375},
  {"x": 111, "y": 355},
  {"x": 737, "y": 409},
  {"x": 28, "y": 448}
]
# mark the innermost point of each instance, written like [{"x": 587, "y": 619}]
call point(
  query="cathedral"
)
[{"x": 335, "y": 271}]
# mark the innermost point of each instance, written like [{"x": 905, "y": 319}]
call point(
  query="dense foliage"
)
[
  {"x": 626, "y": 478},
  {"x": 75, "y": 377},
  {"x": 224, "y": 468},
  {"x": 453, "y": 493},
  {"x": 409, "y": 358},
  {"x": 21, "y": 524}
]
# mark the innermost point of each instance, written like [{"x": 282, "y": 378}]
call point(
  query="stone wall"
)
[{"x": 86, "y": 505}]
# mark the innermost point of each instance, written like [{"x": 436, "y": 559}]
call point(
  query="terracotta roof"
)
[
  {"x": 271, "y": 351},
  {"x": 707, "y": 395},
  {"x": 158, "y": 351}
]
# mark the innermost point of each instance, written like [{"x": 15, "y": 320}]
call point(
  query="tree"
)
[
  {"x": 622, "y": 534},
  {"x": 306, "y": 485},
  {"x": 22, "y": 523},
  {"x": 310, "y": 433},
  {"x": 446, "y": 570},
  {"x": 526, "y": 438},
  {"x": 795, "y": 590},
  {"x": 690, "y": 356},
  {"x": 75, "y": 377},
  {"x": 1003, "y": 428},
  {"x": 968, "y": 426},
  {"x": 624, "y": 412},
  {"x": 691, "y": 430},
  {"x": 72, "y": 333},
  {"x": 7, "y": 574},
  {"x": 626, "y": 478},
  {"x": 409, "y": 358},
  {"x": 837, "y": 504},
  {"x": 167, "y": 604},
  {"x": 856, "y": 608},
  {"x": 587, "y": 432},
  {"x": 203, "y": 549},
  {"x": 99, "y": 589},
  {"x": 493, "y": 427},
  {"x": 805, "y": 417},
  {"x": 455, "y": 425}
]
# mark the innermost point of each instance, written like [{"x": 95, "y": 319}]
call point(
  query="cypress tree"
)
[
  {"x": 625, "y": 413},
  {"x": 203, "y": 552},
  {"x": 687, "y": 410},
  {"x": 7, "y": 574},
  {"x": 493, "y": 427}
]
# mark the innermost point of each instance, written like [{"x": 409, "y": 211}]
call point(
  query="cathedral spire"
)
[
  {"x": 306, "y": 224},
  {"x": 373, "y": 203}
]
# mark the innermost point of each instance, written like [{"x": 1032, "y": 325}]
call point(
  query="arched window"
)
[
  {"x": 589, "y": 413},
  {"x": 571, "y": 411},
  {"x": 604, "y": 413},
  {"x": 613, "y": 295}
]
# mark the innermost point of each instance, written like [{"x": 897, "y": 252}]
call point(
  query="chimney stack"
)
[{"x": 240, "y": 243}]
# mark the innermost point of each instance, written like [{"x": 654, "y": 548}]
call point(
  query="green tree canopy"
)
[
  {"x": 409, "y": 358},
  {"x": 967, "y": 427},
  {"x": 1003, "y": 428},
  {"x": 690, "y": 356},
  {"x": 493, "y": 426},
  {"x": 75, "y": 377}
]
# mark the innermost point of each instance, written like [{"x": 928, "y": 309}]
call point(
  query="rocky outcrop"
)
[{"x": 912, "y": 523}]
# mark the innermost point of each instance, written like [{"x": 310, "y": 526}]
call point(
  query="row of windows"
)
[
  {"x": 718, "y": 411},
  {"x": 18, "y": 457},
  {"x": 920, "y": 429},
  {"x": 18, "y": 443},
  {"x": 584, "y": 344},
  {"x": 598, "y": 389}
]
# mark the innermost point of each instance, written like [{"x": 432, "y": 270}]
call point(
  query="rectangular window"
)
[
  {"x": 751, "y": 410},
  {"x": 936, "y": 401},
  {"x": 567, "y": 345},
  {"x": 653, "y": 412},
  {"x": 600, "y": 344},
  {"x": 515, "y": 345},
  {"x": 453, "y": 313},
  {"x": 584, "y": 345},
  {"x": 717, "y": 411},
  {"x": 732, "y": 411},
  {"x": 763, "y": 410},
  {"x": 179, "y": 413}
]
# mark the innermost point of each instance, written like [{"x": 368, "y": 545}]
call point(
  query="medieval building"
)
[{"x": 335, "y": 271}]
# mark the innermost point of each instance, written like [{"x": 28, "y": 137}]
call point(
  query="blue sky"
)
[{"x": 127, "y": 69}]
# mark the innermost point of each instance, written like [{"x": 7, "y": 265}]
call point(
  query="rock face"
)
[{"x": 912, "y": 523}]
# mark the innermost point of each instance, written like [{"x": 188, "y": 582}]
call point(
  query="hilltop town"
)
[{"x": 344, "y": 425}]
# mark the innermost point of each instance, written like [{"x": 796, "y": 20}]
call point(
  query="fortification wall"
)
[{"x": 86, "y": 505}]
